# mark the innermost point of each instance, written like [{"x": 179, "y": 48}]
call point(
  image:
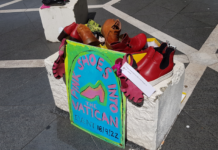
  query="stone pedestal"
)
[
  {"x": 60, "y": 16},
  {"x": 148, "y": 125},
  {"x": 58, "y": 86}
]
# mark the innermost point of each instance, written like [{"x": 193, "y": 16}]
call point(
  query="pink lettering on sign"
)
[
  {"x": 104, "y": 118},
  {"x": 113, "y": 91},
  {"x": 115, "y": 110},
  {"x": 76, "y": 107},
  {"x": 92, "y": 112},
  {"x": 114, "y": 123},
  {"x": 75, "y": 84},
  {"x": 112, "y": 86},
  {"x": 81, "y": 66},
  {"x": 106, "y": 72},
  {"x": 90, "y": 59},
  {"x": 73, "y": 93},
  {"x": 100, "y": 64},
  {"x": 85, "y": 60},
  {"x": 87, "y": 109},
  {"x": 97, "y": 111},
  {"x": 81, "y": 107},
  {"x": 113, "y": 100},
  {"x": 75, "y": 89},
  {"x": 76, "y": 77}
]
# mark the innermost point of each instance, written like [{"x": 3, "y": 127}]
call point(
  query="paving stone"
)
[
  {"x": 7, "y": 21},
  {"x": 180, "y": 21},
  {"x": 18, "y": 5},
  {"x": 174, "y": 5},
  {"x": 203, "y": 104},
  {"x": 206, "y": 1},
  {"x": 12, "y": 79},
  {"x": 53, "y": 47},
  {"x": 178, "y": 52},
  {"x": 33, "y": 50},
  {"x": 210, "y": 18},
  {"x": 135, "y": 1},
  {"x": 131, "y": 7},
  {"x": 39, "y": 29},
  {"x": 62, "y": 135},
  {"x": 196, "y": 6},
  {"x": 18, "y": 37},
  {"x": 150, "y": 10},
  {"x": 102, "y": 15},
  {"x": 97, "y": 2},
  {"x": 4, "y": 1},
  {"x": 35, "y": 92},
  {"x": 194, "y": 138},
  {"x": 32, "y": 3},
  {"x": 194, "y": 37},
  {"x": 157, "y": 18},
  {"x": 33, "y": 16},
  {"x": 132, "y": 30},
  {"x": 20, "y": 124}
]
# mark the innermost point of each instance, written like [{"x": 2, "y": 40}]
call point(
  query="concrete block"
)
[
  {"x": 60, "y": 16},
  {"x": 148, "y": 125},
  {"x": 58, "y": 86}
]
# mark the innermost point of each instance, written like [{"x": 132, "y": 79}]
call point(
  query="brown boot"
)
[
  {"x": 87, "y": 36},
  {"x": 111, "y": 30}
]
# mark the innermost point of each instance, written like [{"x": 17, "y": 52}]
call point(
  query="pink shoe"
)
[
  {"x": 129, "y": 89},
  {"x": 58, "y": 68}
]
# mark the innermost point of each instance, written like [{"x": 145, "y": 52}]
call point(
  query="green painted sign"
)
[{"x": 96, "y": 103}]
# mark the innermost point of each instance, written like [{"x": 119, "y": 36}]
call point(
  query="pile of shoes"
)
[
  {"x": 122, "y": 43},
  {"x": 82, "y": 33},
  {"x": 156, "y": 66},
  {"x": 108, "y": 36}
]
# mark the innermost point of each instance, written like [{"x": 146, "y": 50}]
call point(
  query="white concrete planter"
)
[
  {"x": 148, "y": 125},
  {"x": 60, "y": 16}
]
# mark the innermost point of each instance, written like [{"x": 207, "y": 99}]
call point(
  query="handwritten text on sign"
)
[{"x": 95, "y": 97}]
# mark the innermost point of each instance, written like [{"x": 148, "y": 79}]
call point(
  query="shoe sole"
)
[
  {"x": 91, "y": 41},
  {"x": 74, "y": 39},
  {"x": 62, "y": 35},
  {"x": 160, "y": 79}
]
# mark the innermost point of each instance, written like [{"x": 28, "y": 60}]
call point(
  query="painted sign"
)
[{"x": 96, "y": 102}]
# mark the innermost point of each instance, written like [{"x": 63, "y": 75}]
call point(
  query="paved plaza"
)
[{"x": 28, "y": 118}]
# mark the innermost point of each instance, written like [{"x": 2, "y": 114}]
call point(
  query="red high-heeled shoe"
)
[
  {"x": 130, "y": 45},
  {"x": 71, "y": 31}
]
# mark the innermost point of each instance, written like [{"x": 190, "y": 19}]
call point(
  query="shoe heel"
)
[
  {"x": 74, "y": 39},
  {"x": 62, "y": 35},
  {"x": 92, "y": 41},
  {"x": 108, "y": 45}
]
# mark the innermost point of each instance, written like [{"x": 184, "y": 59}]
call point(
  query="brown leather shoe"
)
[
  {"x": 111, "y": 30},
  {"x": 87, "y": 36}
]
